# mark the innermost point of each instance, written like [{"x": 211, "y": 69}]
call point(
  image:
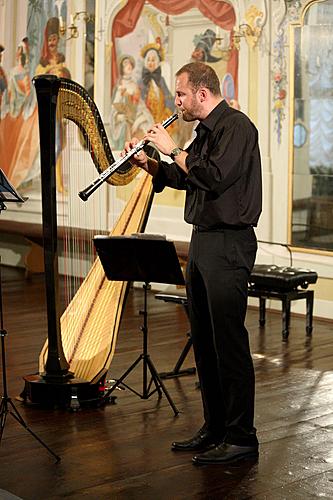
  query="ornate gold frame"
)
[{"x": 292, "y": 27}]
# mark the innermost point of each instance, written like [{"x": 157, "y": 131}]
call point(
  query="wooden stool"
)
[{"x": 274, "y": 282}]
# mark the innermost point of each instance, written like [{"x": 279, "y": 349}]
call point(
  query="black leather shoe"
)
[
  {"x": 202, "y": 440},
  {"x": 225, "y": 454}
]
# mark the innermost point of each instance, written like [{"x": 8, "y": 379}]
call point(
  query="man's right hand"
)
[{"x": 138, "y": 160}]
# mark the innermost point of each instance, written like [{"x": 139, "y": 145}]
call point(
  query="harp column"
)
[{"x": 56, "y": 367}]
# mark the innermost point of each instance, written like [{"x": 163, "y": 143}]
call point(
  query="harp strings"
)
[{"x": 79, "y": 222}]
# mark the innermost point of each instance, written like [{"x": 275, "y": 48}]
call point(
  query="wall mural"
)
[
  {"x": 141, "y": 73},
  {"x": 141, "y": 63},
  {"x": 41, "y": 51}
]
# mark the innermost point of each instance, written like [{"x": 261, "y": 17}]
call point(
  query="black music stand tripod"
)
[
  {"x": 9, "y": 194},
  {"x": 145, "y": 259}
]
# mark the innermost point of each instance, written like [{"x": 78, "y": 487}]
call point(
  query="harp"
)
[{"x": 81, "y": 341}]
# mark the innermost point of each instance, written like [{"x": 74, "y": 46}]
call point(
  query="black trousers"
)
[{"x": 219, "y": 265}]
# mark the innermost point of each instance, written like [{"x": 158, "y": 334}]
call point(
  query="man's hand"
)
[
  {"x": 164, "y": 142},
  {"x": 138, "y": 160},
  {"x": 161, "y": 138}
]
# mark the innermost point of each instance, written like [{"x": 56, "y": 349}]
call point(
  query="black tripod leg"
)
[
  {"x": 159, "y": 382},
  {"x": 152, "y": 380},
  {"x": 124, "y": 375},
  {"x": 15, "y": 414},
  {"x": 3, "y": 416}
]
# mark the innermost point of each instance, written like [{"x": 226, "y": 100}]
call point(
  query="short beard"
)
[
  {"x": 193, "y": 114},
  {"x": 188, "y": 117}
]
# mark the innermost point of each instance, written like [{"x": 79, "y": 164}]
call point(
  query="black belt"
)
[{"x": 220, "y": 227}]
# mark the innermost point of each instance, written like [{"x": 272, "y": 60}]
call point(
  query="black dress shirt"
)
[{"x": 223, "y": 185}]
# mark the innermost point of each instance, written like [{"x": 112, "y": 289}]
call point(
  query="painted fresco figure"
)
[
  {"x": 154, "y": 90},
  {"x": 203, "y": 46},
  {"x": 52, "y": 61},
  {"x": 20, "y": 99},
  {"x": 19, "y": 136},
  {"x": 129, "y": 115}
]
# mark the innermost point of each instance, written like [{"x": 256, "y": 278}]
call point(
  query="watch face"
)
[{"x": 175, "y": 152}]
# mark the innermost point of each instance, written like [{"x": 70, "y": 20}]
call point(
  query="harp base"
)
[{"x": 72, "y": 394}]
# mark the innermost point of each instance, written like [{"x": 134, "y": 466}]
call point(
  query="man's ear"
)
[{"x": 202, "y": 94}]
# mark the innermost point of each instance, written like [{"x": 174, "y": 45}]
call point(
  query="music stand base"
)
[{"x": 155, "y": 378}]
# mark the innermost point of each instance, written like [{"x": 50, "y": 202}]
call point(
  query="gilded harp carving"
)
[{"x": 81, "y": 341}]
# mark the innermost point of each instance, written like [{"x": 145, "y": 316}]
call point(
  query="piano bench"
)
[{"x": 285, "y": 284}]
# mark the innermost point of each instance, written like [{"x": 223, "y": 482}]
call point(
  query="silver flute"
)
[{"x": 84, "y": 195}]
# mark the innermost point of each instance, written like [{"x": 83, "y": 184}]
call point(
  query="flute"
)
[{"x": 84, "y": 195}]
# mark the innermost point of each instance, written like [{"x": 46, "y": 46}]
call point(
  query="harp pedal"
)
[
  {"x": 74, "y": 404},
  {"x": 110, "y": 399}
]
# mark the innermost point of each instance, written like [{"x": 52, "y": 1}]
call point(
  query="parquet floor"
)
[{"x": 122, "y": 451}]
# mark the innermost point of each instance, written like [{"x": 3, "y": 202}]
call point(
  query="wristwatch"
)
[{"x": 175, "y": 152}]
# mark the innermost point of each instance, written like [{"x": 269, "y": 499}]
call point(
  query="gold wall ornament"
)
[
  {"x": 251, "y": 29},
  {"x": 72, "y": 28}
]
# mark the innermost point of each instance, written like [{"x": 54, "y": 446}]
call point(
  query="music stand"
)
[
  {"x": 144, "y": 258},
  {"x": 9, "y": 194}
]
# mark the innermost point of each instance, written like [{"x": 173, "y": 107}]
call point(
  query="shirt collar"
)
[{"x": 213, "y": 117}]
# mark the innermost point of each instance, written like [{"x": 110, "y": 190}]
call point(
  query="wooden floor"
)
[{"x": 122, "y": 451}]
